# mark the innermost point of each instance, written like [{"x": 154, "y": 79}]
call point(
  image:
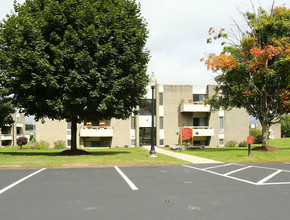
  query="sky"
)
[{"x": 178, "y": 30}]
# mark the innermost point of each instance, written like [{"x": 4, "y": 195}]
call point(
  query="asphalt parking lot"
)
[{"x": 196, "y": 191}]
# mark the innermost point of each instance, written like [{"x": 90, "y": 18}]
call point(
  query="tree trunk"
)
[
  {"x": 265, "y": 134},
  {"x": 73, "y": 135}
]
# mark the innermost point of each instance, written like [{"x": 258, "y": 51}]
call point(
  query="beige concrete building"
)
[
  {"x": 274, "y": 130},
  {"x": 176, "y": 107},
  {"x": 9, "y": 134}
]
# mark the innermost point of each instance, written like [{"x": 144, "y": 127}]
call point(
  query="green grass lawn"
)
[
  {"x": 13, "y": 157},
  {"x": 240, "y": 155}
]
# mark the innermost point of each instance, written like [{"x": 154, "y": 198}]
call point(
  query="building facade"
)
[
  {"x": 176, "y": 107},
  {"x": 274, "y": 130},
  {"x": 9, "y": 134}
]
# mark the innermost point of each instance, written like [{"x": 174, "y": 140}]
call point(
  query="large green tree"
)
[
  {"x": 254, "y": 71},
  {"x": 75, "y": 59},
  {"x": 6, "y": 110},
  {"x": 6, "y": 107},
  {"x": 285, "y": 126}
]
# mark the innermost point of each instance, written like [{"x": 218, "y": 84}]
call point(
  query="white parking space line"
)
[
  {"x": 231, "y": 177},
  {"x": 269, "y": 177},
  {"x": 19, "y": 181},
  {"x": 260, "y": 183},
  {"x": 130, "y": 183},
  {"x": 270, "y": 168},
  {"x": 234, "y": 171},
  {"x": 277, "y": 183},
  {"x": 224, "y": 165}
]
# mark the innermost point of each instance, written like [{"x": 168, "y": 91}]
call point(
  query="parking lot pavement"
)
[
  {"x": 171, "y": 192},
  {"x": 10, "y": 176}
]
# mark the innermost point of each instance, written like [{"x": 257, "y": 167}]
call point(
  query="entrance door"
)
[{"x": 145, "y": 136}]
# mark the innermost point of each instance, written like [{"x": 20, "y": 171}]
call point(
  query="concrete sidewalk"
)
[{"x": 186, "y": 157}]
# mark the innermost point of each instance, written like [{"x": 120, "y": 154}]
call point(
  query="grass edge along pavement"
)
[
  {"x": 13, "y": 157},
  {"x": 240, "y": 154}
]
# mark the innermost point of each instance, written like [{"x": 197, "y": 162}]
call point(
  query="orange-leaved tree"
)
[{"x": 254, "y": 73}]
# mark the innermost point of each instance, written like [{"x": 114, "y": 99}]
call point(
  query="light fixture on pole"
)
[{"x": 153, "y": 83}]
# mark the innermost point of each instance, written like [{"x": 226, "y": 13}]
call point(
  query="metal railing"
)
[
  {"x": 194, "y": 103},
  {"x": 6, "y": 135},
  {"x": 96, "y": 127},
  {"x": 199, "y": 127}
]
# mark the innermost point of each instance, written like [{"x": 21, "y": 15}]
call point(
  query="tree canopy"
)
[
  {"x": 285, "y": 126},
  {"x": 75, "y": 59},
  {"x": 254, "y": 73},
  {"x": 6, "y": 110}
]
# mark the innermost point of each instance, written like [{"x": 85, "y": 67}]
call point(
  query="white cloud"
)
[{"x": 178, "y": 30}]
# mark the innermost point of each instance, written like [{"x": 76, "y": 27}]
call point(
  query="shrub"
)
[
  {"x": 32, "y": 138},
  {"x": 255, "y": 132},
  {"x": 41, "y": 145},
  {"x": 59, "y": 145},
  {"x": 22, "y": 141},
  {"x": 243, "y": 144},
  {"x": 258, "y": 139},
  {"x": 231, "y": 144}
]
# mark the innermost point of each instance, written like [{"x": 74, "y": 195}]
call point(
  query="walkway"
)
[{"x": 186, "y": 157}]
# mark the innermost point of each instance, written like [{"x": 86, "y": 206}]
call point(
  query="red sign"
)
[
  {"x": 250, "y": 139},
  {"x": 186, "y": 133}
]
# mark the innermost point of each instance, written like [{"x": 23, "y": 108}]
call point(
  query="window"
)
[
  {"x": 133, "y": 122},
  {"x": 221, "y": 121},
  {"x": 200, "y": 122},
  {"x": 145, "y": 107},
  {"x": 160, "y": 98},
  {"x": 221, "y": 142},
  {"x": 6, "y": 143},
  {"x": 92, "y": 144},
  {"x": 107, "y": 143},
  {"x": 161, "y": 122},
  {"x": 133, "y": 142},
  {"x": 161, "y": 142},
  {"x": 199, "y": 97},
  {"x": 18, "y": 131},
  {"x": 6, "y": 130}
]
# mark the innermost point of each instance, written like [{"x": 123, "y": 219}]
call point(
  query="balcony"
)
[
  {"x": 6, "y": 137},
  {"x": 96, "y": 131},
  {"x": 194, "y": 107},
  {"x": 201, "y": 131},
  {"x": 19, "y": 125}
]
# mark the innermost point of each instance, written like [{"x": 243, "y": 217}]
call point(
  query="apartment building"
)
[
  {"x": 9, "y": 134},
  {"x": 176, "y": 107},
  {"x": 274, "y": 130}
]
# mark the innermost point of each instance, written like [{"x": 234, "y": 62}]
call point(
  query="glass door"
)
[{"x": 145, "y": 136}]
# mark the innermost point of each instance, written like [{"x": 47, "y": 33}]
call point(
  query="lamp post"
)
[{"x": 152, "y": 82}]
